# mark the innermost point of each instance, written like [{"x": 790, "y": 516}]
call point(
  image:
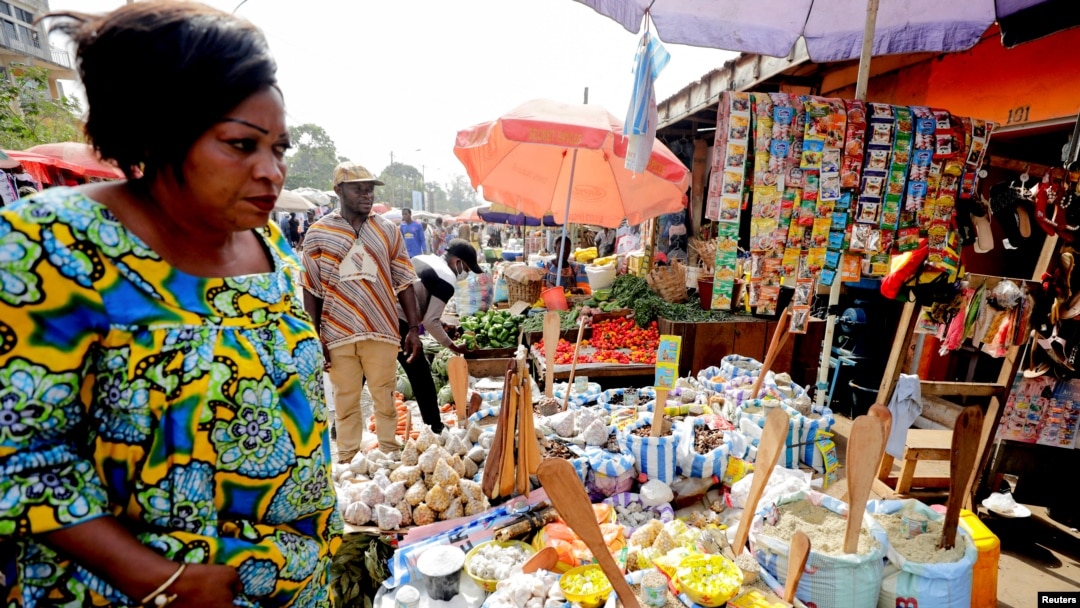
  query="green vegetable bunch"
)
[
  {"x": 490, "y": 329},
  {"x": 631, "y": 291}
]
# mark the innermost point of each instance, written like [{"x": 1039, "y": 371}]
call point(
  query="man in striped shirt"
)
[{"x": 356, "y": 271}]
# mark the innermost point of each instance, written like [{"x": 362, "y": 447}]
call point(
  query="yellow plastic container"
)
[
  {"x": 984, "y": 576},
  {"x": 586, "y": 585},
  {"x": 488, "y": 584}
]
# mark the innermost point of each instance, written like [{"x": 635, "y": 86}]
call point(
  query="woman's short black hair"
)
[{"x": 159, "y": 74}]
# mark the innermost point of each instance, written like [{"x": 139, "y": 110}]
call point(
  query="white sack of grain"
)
[
  {"x": 911, "y": 583},
  {"x": 829, "y": 581}
]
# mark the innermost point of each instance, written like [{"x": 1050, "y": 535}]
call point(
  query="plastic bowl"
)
[
  {"x": 588, "y": 599},
  {"x": 488, "y": 584},
  {"x": 708, "y": 580}
]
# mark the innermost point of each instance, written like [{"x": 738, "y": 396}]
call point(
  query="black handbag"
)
[{"x": 938, "y": 290}]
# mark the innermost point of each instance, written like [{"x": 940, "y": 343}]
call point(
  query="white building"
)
[{"x": 23, "y": 43}]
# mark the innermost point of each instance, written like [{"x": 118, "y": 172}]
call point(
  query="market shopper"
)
[
  {"x": 436, "y": 281},
  {"x": 439, "y": 237},
  {"x": 293, "y": 230},
  {"x": 605, "y": 242},
  {"x": 356, "y": 271},
  {"x": 570, "y": 268},
  {"x": 157, "y": 376},
  {"x": 413, "y": 233}
]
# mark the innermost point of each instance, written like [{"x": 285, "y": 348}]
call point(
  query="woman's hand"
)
[
  {"x": 206, "y": 586},
  {"x": 326, "y": 356}
]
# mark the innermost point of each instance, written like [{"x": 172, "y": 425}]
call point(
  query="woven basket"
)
[
  {"x": 669, "y": 282},
  {"x": 523, "y": 292}
]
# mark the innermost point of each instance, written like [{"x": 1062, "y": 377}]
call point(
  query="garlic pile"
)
[
  {"x": 583, "y": 426},
  {"x": 634, "y": 514},
  {"x": 494, "y": 562},
  {"x": 431, "y": 479},
  {"x": 537, "y": 590}
]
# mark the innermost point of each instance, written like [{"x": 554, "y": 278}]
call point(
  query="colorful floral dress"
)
[{"x": 190, "y": 408}]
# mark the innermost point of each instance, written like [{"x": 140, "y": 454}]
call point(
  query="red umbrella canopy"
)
[
  {"x": 472, "y": 214},
  {"x": 81, "y": 155},
  {"x": 534, "y": 156}
]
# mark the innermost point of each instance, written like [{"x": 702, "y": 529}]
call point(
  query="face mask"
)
[{"x": 463, "y": 274}]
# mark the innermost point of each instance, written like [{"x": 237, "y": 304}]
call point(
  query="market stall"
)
[{"x": 649, "y": 473}]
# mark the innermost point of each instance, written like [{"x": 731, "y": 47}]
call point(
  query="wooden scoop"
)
[
  {"x": 879, "y": 411},
  {"x": 507, "y": 476},
  {"x": 566, "y": 493},
  {"x": 573, "y": 364},
  {"x": 458, "y": 371},
  {"x": 965, "y": 444},
  {"x": 551, "y": 342},
  {"x": 797, "y": 554},
  {"x": 491, "y": 481},
  {"x": 864, "y": 445},
  {"x": 769, "y": 447},
  {"x": 544, "y": 560},
  {"x": 779, "y": 337},
  {"x": 658, "y": 412}
]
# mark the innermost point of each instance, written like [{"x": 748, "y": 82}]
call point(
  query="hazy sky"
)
[{"x": 405, "y": 75}]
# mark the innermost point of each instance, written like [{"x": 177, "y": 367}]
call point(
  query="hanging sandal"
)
[
  {"x": 979, "y": 216},
  {"x": 1005, "y": 204},
  {"x": 1056, "y": 349},
  {"x": 1061, "y": 285},
  {"x": 1032, "y": 370}
]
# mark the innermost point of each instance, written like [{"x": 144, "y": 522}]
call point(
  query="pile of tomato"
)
[
  {"x": 618, "y": 341},
  {"x": 624, "y": 333}
]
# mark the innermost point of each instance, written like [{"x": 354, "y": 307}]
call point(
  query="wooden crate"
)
[
  {"x": 487, "y": 368},
  {"x": 490, "y": 353},
  {"x": 705, "y": 344}
]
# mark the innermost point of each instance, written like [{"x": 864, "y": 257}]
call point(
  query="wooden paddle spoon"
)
[
  {"x": 568, "y": 496},
  {"x": 573, "y": 364},
  {"x": 458, "y": 371},
  {"x": 965, "y": 444},
  {"x": 864, "y": 445},
  {"x": 507, "y": 476},
  {"x": 879, "y": 411},
  {"x": 797, "y": 554},
  {"x": 769, "y": 448},
  {"x": 491, "y": 482},
  {"x": 551, "y": 342},
  {"x": 544, "y": 560},
  {"x": 779, "y": 337}
]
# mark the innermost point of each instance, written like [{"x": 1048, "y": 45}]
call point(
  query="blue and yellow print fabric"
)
[{"x": 190, "y": 408}]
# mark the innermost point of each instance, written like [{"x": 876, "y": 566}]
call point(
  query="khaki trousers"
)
[{"x": 349, "y": 366}]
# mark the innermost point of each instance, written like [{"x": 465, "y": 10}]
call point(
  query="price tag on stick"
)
[
  {"x": 667, "y": 361},
  {"x": 658, "y": 411}
]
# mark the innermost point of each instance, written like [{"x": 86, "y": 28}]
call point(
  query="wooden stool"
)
[{"x": 921, "y": 445}]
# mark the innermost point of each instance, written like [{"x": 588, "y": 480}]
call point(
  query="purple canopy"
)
[
  {"x": 514, "y": 219},
  {"x": 833, "y": 29}
]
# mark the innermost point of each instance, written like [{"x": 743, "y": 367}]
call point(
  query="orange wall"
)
[{"x": 1032, "y": 82}]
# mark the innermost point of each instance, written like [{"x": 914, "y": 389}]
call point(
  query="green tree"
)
[
  {"x": 401, "y": 180},
  {"x": 312, "y": 159},
  {"x": 460, "y": 195},
  {"x": 34, "y": 117}
]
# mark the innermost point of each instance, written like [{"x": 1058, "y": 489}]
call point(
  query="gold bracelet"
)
[{"x": 158, "y": 597}]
